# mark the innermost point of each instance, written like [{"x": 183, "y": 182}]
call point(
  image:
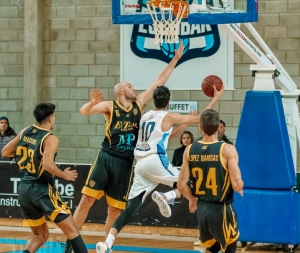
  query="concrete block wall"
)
[
  {"x": 11, "y": 61},
  {"x": 81, "y": 51}
]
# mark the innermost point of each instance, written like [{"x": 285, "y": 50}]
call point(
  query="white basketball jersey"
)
[{"x": 152, "y": 140}]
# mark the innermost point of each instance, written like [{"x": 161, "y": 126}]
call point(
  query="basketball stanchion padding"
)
[{"x": 166, "y": 25}]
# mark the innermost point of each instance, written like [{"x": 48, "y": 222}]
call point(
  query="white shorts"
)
[{"x": 151, "y": 171}]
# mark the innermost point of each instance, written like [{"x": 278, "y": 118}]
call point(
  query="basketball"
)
[{"x": 208, "y": 82}]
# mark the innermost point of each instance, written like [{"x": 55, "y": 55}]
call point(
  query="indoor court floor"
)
[{"x": 13, "y": 241}]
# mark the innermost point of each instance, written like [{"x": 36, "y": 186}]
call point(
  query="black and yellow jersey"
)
[
  {"x": 29, "y": 154},
  {"x": 121, "y": 132},
  {"x": 209, "y": 177}
]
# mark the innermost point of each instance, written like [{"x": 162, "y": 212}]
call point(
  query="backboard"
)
[{"x": 200, "y": 11}]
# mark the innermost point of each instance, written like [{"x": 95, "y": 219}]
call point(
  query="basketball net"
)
[{"x": 166, "y": 26}]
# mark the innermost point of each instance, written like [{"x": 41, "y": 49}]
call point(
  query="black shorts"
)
[
  {"x": 110, "y": 175},
  {"x": 38, "y": 199},
  {"x": 217, "y": 223}
]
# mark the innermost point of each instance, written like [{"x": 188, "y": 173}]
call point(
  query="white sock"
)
[
  {"x": 110, "y": 240},
  {"x": 170, "y": 195}
]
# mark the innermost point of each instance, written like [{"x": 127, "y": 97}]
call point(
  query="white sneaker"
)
[
  {"x": 101, "y": 247},
  {"x": 197, "y": 243},
  {"x": 163, "y": 205}
]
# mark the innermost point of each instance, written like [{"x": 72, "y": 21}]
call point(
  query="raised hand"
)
[
  {"x": 218, "y": 94},
  {"x": 70, "y": 175},
  {"x": 96, "y": 96},
  {"x": 193, "y": 112},
  {"x": 178, "y": 53}
]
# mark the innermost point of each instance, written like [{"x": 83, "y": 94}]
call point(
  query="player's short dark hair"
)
[
  {"x": 221, "y": 121},
  {"x": 161, "y": 97},
  {"x": 209, "y": 121},
  {"x": 42, "y": 111}
]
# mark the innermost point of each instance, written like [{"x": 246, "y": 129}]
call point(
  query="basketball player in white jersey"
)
[{"x": 153, "y": 166}]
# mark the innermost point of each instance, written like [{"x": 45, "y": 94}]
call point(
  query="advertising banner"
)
[{"x": 148, "y": 215}]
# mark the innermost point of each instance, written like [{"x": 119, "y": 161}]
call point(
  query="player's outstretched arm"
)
[
  {"x": 217, "y": 95},
  {"x": 182, "y": 186},
  {"x": 50, "y": 145},
  {"x": 177, "y": 130},
  {"x": 231, "y": 155},
  {"x": 96, "y": 104},
  {"x": 144, "y": 97}
]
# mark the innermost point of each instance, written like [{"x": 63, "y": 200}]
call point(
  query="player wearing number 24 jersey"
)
[
  {"x": 153, "y": 166},
  {"x": 212, "y": 168}
]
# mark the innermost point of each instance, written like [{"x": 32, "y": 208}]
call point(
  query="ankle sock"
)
[{"x": 110, "y": 240}]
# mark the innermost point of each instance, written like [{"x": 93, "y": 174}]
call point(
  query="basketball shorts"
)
[
  {"x": 110, "y": 175},
  {"x": 217, "y": 223},
  {"x": 151, "y": 171},
  {"x": 38, "y": 199}
]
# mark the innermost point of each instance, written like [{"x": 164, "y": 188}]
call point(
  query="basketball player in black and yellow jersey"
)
[
  {"x": 34, "y": 150},
  {"x": 212, "y": 168},
  {"x": 112, "y": 171}
]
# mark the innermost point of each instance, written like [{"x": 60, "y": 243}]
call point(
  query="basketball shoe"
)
[
  {"x": 162, "y": 203},
  {"x": 101, "y": 247}
]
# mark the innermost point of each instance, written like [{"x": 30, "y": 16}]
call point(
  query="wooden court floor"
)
[
  {"x": 13, "y": 241},
  {"x": 138, "y": 239}
]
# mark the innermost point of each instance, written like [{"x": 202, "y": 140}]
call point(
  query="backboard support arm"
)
[{"x": 268, "y": 71}]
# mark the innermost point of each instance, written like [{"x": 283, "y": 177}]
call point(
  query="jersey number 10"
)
[{"x": 147, "y": 129}]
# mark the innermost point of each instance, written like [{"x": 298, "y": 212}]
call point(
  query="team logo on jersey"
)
[
  {"x": 34, "y": 131},
  {"x": 117, "y": 113},
  {"x": 204, "y": 147},
  {"x": 127, "y": 115},
  {"x": 92, "y": 183},
  {"x": 125, "y": 141},
  {"x": 135, "y": 111}
]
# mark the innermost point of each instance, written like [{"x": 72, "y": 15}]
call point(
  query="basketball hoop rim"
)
[{"x": 176, "y": 4}]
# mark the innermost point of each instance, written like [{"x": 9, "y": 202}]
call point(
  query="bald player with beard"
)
[{"x": 112, "y": 170}]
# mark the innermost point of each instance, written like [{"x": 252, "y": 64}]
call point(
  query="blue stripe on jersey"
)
[
  {"x": 165, "y": 162},
  {"x": 160, "y": 146},
  {"x": 161, "y": 151}
]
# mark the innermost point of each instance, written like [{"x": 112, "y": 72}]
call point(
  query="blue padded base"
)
[
  {"x": 268, "y": 216},
  {"x": 263, "y": 144}
]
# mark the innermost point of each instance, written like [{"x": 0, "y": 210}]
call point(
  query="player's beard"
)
[{"x": 130, "y": 97}]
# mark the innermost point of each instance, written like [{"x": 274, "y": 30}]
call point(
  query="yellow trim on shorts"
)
[
  {"x": 34, "y": 223},
  {"x": 229, "y": 228},
  {"x": 92, "y": 168},
  {"x": 208, "y": 243},
  {"x": 55, "y": 197},
  {"x": 57, "y": 212},
  {"x": 115, "y": 203},
  {"x": 129, "y": 185},
  {"x": 97, "y": 194}
]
